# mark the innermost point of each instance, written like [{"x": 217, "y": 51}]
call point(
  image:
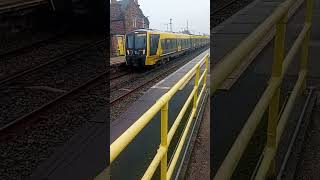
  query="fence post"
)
[
  {"x": 278, "y": 57},
  {"x": 207, "y": 70},
  {"x": 164, "y": 143},
  {"x": 305, "y": 43},
  {"x": 196, "y": 85}
]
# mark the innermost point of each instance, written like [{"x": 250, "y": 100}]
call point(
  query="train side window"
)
[
  {"x": 163, "y": 45},
  {"x": 154, "y": 41},
  {"x": 169, "y": 45},
  {"x": 182, "y": 44},
  {"x": 175, "y": 44}
]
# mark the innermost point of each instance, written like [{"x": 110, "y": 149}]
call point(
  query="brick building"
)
[{"x": 125, "y": 16}]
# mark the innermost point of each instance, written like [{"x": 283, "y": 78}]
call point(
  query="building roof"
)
[
  {"x": 117, "y": 14},
  {"x": 121, "y": 9},
  {"x": 124, "y": 5}
]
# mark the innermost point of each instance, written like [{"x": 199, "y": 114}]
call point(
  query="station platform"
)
[
  {"x": 235, "y": 100},
  {"x": 117, "y": 61},
  {"x": 15, "y": 5},
  {"x": 86, "y": 155},
  {"x": 143, "y": 148}
]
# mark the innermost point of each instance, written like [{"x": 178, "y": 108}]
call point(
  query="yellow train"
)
[{"x": 148, "y": 47}]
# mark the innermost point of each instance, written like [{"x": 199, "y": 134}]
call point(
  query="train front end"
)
[{"x": 136, "y": 49}]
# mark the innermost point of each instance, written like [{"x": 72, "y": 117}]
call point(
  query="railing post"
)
[
  {"x": 196, "y": 85},
  {"x": 279, "y": 50},
  {"x": 164, "y": 143},
  {"x": 305, "y": 43},
  {"x": 207, "y": 69}
]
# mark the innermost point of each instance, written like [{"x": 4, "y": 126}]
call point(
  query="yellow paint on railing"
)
[
  {"x": 162, "y": 105},
  {"x": 270, "y": 97}
]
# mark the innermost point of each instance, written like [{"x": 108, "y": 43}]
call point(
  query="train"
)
[{"x": 147, "y": 47}]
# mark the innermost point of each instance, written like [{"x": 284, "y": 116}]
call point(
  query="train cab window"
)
[
  {"x": 140, "y": 41},
  {"x": 154, "y": 40},
  {"x": 130, "y": 41}
]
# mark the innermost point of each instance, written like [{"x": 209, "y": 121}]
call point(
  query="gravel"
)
[
  {"x": 199, "y": 164},
  {"x": 308, "y": 167},
  {"x": 17, "y": 102},
  {"x": 23, "y": 154},
  {"x": 31, "y": 91}
]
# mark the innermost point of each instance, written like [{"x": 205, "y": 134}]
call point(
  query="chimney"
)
[{"x": 113, "y": 1}]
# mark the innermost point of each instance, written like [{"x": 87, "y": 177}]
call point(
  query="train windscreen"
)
[
  {"x": 130, "y": 41},
  {"x": 136, "y": 41},
  {"x": 140, "y": 41}
]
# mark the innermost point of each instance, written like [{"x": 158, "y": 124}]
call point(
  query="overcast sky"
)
[{"x": 197, "y": 12}]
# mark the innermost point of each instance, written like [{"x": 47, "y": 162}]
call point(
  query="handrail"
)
[
  {"x": 162, "y": 105},
  {"x": 271, "y": 95}
]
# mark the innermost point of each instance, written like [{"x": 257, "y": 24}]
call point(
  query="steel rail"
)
[
  {"x": 119, "y": 76},
  {"x": 19, "y": 5},
  {"x": 144, "y": 83},
  {"x": 11, "y": 51},
  {"x": 294, "y": 136},
  {"x": 56, "y": 59},
  {"x": 9, "y": 128}
]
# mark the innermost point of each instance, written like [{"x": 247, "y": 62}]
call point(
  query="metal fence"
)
[
  {"x": 161, "y": 105},
  {"x": 271, "y": 95}
]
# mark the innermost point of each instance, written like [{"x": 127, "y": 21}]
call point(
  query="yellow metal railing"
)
[
  {"x": 270, "y": 97},
  {"x": 162, "y": 105}
]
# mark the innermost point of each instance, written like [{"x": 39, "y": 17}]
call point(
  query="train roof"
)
[{"x": 154, "y": 30}]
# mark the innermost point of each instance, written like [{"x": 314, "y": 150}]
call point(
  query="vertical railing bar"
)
[
  {"x": 164, "y": 133},
  {"x": 305, "y": 43},
  {"x": 196, "y": 86},
  {"x": 279, "y": 50}
]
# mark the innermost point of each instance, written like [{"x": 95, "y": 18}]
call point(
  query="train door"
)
[
  {"x": 120, "y": 42},
  {"x": 153, "y": 48}
]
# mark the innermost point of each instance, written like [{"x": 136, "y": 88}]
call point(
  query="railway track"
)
[
  {"x": 119, "y": 75},
  {"x": 157, "y": 73},
  {"x": 14, "y": 5},
  {"x": 134, "y": 76},
  {"x": 13, "y": 126},
  {"x": 35, "y": 44},
  {"x": 21, "y": 73},
  {"x": 33, "y": 141},
  {"x": 40, "y": 81}
]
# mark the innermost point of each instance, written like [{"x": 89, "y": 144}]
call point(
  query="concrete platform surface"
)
[{"x": 114, "y": 61}]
